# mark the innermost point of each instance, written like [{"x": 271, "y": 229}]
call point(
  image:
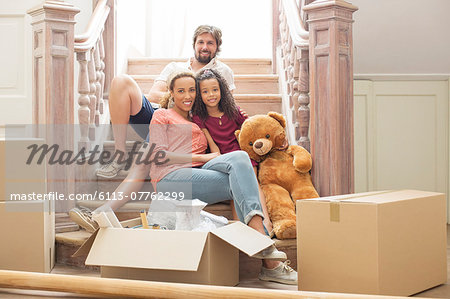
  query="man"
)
[{"x": 127, "y": 104}]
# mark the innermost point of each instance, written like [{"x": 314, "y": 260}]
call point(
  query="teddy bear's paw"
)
[{"x": 285, "y": 229}]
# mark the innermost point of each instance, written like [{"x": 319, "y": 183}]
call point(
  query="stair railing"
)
[
  {"x": 54, "y": 47},
  {"x": 295, "y": 60},
  {"x": 317, "y": 64},
  {"x": 90, "y": 53}
]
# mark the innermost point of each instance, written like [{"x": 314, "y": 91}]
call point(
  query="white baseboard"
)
[{"x": 402, "y": 77}]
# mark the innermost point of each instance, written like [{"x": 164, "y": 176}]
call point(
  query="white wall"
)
[
  {"x": 402, "y": 58},
  {"x": 401, "y": 37},
  {"x": 131, "y": 31},
  {"x": 246, "y": 26}
]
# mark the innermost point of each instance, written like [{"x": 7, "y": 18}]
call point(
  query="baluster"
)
[
  {"x": 286, "y": 56},
  {"x": 293, "y": 76},
  {"x": 302, "y": 134},
  {"x": 83, "y": 101},
  {"x": 289, "y": 71},
  {"x": 102, "y": 73},
  {"x": 98, "y": 86},
  {"x": 295, "y": 84},
  {"x": 92, "y": 94},
  {"x": 283, "y": 29}
]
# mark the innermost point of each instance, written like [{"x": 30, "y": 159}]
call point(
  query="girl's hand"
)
[
  {"x": 206, "y": 157},
  {"x": 243, "y": 113}
]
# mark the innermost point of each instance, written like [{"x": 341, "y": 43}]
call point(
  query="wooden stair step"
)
[
  {"x": 131, "y": 209},
  {"x": 108, "y": 145},
  {"x": 67, "y": 244},
  {"x": 259, "y": 103},
  {"x": 147, "y": 66},
  {"x": 76, "y": 238},
  {"x": 64, "y": 223},
  {"x": 259, "y": 84},
  {"x": 109, "y": 185}
]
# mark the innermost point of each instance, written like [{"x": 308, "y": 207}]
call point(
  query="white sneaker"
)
[
  {"x": 83, "y": 217},
  {"x": 271, "y": 253},
  {"x": 282, "y": 274},
  {"x": 110, "y": 170}
]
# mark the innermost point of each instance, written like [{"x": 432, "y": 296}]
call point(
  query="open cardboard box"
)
[
  {"x": 172, "y": 256},
  {"x": 384, "y": 243}
]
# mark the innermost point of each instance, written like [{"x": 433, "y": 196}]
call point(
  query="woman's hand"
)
[{"x": 203, "y": 158}]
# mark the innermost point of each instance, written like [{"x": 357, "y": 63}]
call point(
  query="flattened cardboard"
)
[
  {"x": 86, "y": 246},
  {"x": 391, "y": 243},
  {"x": 243, "y": 237}
]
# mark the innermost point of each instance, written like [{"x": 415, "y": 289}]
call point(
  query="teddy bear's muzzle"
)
[{"x": 262, "y": 146}]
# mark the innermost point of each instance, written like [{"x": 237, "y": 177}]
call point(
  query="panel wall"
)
[
  {"x": 401, "y": 135},
  {"x": 14, "y": 79}
]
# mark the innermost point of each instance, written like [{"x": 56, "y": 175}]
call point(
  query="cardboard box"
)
[
  {"x": 384, "y": 243},
  {"x": 173, "y": 256},
  {"x": 27, "y": 227},
  {"x": 17, "y": 178},
  {"x": 27, "y": 234}
]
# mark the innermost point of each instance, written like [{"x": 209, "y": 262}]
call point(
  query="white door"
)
[{"x": 15, "y": 61}]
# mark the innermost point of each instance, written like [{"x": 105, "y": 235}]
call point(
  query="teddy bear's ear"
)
[
  {"x": 236, "y": 133},
  {"x": 279, "y": 117}
]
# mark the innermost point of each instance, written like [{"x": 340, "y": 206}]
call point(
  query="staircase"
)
[
  {"x": 256, "y": 87},
  {"x": 256, "y": 92}
]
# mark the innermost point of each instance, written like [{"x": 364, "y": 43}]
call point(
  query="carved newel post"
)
[
  {"x": 53, "y": 85},
  {"x": 331, "y": 82},
  {"x": 53, "y": 62}
]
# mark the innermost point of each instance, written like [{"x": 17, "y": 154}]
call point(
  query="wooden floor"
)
[{"x": 442, "y": 291}]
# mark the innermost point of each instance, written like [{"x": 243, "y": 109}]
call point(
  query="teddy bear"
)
[{"x": 283, "y": 173}]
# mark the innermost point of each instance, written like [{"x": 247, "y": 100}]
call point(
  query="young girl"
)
[{"x": 216, "y": 113}]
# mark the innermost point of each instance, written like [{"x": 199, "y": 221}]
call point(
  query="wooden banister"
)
[
  {"x": 331, "y": 75},
  {"x": 297, "y": 30},
  {"x": 89, "y": 47},
  {"x": 95, "y": 22},
  {"x": 54, "y": 46},
  {"x": 53, "y": 86},
  {"x": 316, "y": 51},
  {"x": 83, "y": 42},
  {"x": 295, "y": 55}
]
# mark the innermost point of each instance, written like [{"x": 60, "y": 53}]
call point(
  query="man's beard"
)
[{"x": 204, "y": 59}]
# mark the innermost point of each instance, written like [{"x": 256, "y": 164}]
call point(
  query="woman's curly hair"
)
[{"x": 227, "y": 104}]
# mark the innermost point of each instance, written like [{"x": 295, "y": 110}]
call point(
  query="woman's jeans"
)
[{"x": 227, "y": 177}]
